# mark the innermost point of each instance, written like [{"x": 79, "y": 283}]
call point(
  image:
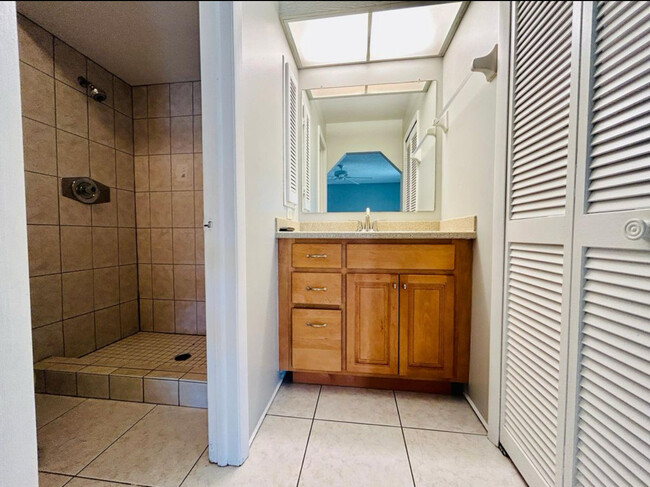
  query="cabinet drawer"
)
[
  {"x": 318, "y": 256},
  {"x": 401, "y": 256},
  {"x": 316, "y": 340},
  {"x": 316, "y": 288}
]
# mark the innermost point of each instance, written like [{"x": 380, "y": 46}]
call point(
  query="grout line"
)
[
  {"x": 311, "y": 427},
  {"x": 335, "y": 421},
  {"x": 83, "y": 399},
  {"x": 408, "y": 457},
  {"x": 445, "y": 431},
  {"x": 194, "y": 465}
]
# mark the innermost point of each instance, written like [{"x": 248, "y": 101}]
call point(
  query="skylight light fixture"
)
[
  {"x": 331, "y": 40},
  {"x": 411, "y": 32},
  {"x": 411, "y": 86}
]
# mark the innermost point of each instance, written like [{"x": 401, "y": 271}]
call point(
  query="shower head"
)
[{"x": 95, "y": 93}]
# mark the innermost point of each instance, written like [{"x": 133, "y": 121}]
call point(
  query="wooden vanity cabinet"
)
[{"x": 355, "y": 310}]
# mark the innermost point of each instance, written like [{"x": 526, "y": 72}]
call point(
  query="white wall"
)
[
  {"x": 263, "y": 45},
  {"x": 18, "y": 464},
  {"x": 468, "y": 170}
]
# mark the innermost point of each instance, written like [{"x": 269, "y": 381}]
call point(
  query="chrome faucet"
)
[{"x": 367, "y": 225}]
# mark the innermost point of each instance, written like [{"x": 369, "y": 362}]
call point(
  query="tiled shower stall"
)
[{"x": 103, "y": 272}]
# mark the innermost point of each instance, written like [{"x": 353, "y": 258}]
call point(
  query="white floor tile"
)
[
  {"x": 437, "y": 412},
  {"x": 296, "y": 400},
  {"x": 51, "y": 480},
  {"x": 49, "y": 407},
  {"x": 355, "y": 405}
]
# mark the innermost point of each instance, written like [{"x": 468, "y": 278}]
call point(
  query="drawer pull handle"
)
[
  {"x": 309, "y": 288},
  {"x": 316, "y": 325},
  {"x": 317, "y": 256}
]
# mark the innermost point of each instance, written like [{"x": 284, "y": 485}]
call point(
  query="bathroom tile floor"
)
[{"x": 311, "y": 436}]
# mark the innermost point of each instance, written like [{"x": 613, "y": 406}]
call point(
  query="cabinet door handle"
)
[
  {"x": 309, "y": 288},
  {"x": 316, "y": 325},
  {"x": 317, "y": 256},
  {"x": 394, "y": 285},
  {"x": 404, "y": 286}
]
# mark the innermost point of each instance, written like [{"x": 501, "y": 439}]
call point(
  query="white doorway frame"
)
[{"x": 225, "y": 240}]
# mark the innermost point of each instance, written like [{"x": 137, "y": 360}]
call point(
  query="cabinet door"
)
[
  {"x": 372, "y": 323},
  {"x": 426, "y": 326}
]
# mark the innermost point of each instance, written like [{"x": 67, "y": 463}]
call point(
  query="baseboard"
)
[
  {"x": 475, "y": 409},
  {"x": 266, "y": 410}
]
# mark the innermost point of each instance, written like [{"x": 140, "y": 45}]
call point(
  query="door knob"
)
[{"x": 636, "y": 229}]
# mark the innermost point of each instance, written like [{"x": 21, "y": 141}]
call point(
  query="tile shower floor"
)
[
  {"x": 139, "y": 368},
  {"x": 311, "y": 436}
]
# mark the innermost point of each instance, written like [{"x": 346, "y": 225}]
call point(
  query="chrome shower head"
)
[{"x": 95, "y": 93}]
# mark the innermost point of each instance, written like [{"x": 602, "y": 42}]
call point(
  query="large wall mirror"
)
[{"x": 365, "y": 147}]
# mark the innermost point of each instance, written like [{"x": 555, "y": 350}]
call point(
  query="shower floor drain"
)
[{"x": 183, "y": 356}]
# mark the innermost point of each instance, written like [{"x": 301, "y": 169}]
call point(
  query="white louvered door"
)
[
  {"x": 608, "y": 424},
  {"x": 410, "y": 171},
  {"x": 307, "y": 158},
  {"x": 291, "y": 135},
  {"x": 541, "y": 171}
]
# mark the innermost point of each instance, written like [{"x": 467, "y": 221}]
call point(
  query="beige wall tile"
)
[
  {"x": 107, "y": 326},
  {"x": 181, "y": 135},
  {"x": 185, "y": 316},
  {"x": 69, "y": 64},
  {"x": 127, "y": 246},
  {"x": 42, "y": 198},
  {"x": 200, "y": 317},
  {"x": 141, "y": 173},
  {"x": 71, "y": 110},
  {"x": 37, "y": 90},
  {"x": 102, "y": 164},
  {"x": 161, "y": 209},
  {"x": 35, "y": 45},
  {"x": 193, "y": 394},
  {"x": 161, "y": 246},
  {"x": 146, "y": 314},
  {"x": 123, "y": 133},
  {"x": 182, "y": 172},
  {"x": 39, "y": 147},
  {"x": 180, "y": 99},
  {"x": 183, "y": 209},
  {"x": 103, "y": 80},
  {"x": 200, "y": 243},
  {"x": 198, "y": 171},
  {"x": 92, "y": 385},
  {"x": 73, "y": 212},
  {"x": 162, "y": 281},
  {"x": 198, "y": 134},
  {"x": 76, "y": 248},
  {"x": 101, "y": 120},
  {"x": 200, "y": 282},
  {"x": 60, "y": 382},
  {"x": 144, "y": 245},
  {"x": 125, "y": 171},
  {"x": 159, "y": 136},
  {"x": 144, "y": 281},
  {"x": 198, "y": 208},
  {"x": 122, "y": 97},
  {"x": 73, "y": 155},
  {"x": 160, "y": 173},
  {"x": 139, "y": 101},
  {"x": 142, "y": 210},
  {"x": 44, "y": 250},
  {"x": 129, "y": 318},
  {"x": 126, "y": 388},
  {"x": 107, "y": 287},
  {"x": 163, "y": 316},
  {"x": 105, "y": 214},
  {"x": 184, "y": 282},
  {"x": 125, "y": 208},
  {"x": 158, "y": 100},
  {"x": 79, "y": 335},
  {"x": 161, "y": 391},
  {"x": 196, "y": 92},
  {"x": 128, "y": 283},
  {"x": 105, "y": 251},
  {"x": 141, "y": 137},
  {"x": 77, "y": 293},
  {"x": 184, "y": 247},
  {"x": 47, "y": 341},
  {"x": 45, "y": 294}
]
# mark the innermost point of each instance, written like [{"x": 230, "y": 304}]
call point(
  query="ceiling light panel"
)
[
  {"x": 411, "y": 86},
  {"x": 331, "y": 40},
  {"x": 337, "y": 92},
  {"x": 411, "y": 32}
]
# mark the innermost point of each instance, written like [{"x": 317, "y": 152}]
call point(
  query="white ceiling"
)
[
  {"x": 364, "y": 108},
  {"x": 141, "y": 42}
]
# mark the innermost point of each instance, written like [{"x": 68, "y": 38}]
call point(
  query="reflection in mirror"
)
[{"x": 364, "y": 147}]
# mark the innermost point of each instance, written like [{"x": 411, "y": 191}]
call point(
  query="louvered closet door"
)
[
  {"x": 541, "y": 170},
  {"x": 608, "y": 433}
]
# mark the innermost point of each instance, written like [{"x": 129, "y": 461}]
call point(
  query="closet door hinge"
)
[{"x": 503, "y": 451}]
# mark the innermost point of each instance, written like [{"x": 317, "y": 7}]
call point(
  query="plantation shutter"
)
[
  {"x": 291, "y": 139},
  {"x": 307, "y": 159},
  {"x": 411, "y": 170}
]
